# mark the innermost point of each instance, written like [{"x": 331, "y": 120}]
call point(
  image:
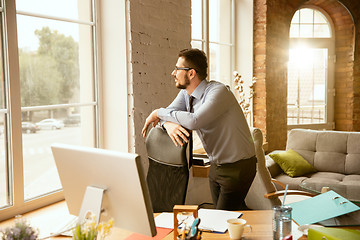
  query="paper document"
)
[
  {"x": 161, "y": 233},
  {"x": 215, "y": 220},
  {"x": 165, "y": 220},
  {"x": 210, "y": 219}
]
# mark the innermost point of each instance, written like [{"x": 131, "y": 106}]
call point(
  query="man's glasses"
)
[{"x": 182, "y": 68}]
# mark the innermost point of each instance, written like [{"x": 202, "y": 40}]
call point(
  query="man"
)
[{"x": 220, "y": 123}]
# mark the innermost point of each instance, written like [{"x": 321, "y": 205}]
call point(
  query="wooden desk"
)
[
  {"x": 260, "y": 221},
  {"x": 51, "y": 217}
]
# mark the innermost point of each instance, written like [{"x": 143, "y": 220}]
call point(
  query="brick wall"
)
[
  {"x": 159, "y": 29},
  {"x": 271, "y": 30},
  {"x": 344, "y": 67},
  {"x": 259, "y": 66},
  {"x": 354, "y": 8}
]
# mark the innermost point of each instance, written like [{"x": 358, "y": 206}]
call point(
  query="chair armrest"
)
[
  {"x": 281, "y": 184},
  {"x": 273, "y": 167},
  {"x": 289, "y": 192}
]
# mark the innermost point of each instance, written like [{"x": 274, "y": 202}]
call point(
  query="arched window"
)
[
  {"x": 309, "y": 23},
  {"x": 310, "y": 70}
]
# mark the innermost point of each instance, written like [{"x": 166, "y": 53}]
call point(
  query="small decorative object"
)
[
  {"x": 21, "y": 231},
  {"x": 183, "y": 213},
  {"x": 281, "y": 222},
  {"x": 245, "y": 99},
  {"x": 90, "y": 230}
]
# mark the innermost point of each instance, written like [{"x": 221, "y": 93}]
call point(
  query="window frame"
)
[
  {"x": 328, "y": 43},
  {"x": 14, "y": 159},
  {"x": 205, "y": 40}
]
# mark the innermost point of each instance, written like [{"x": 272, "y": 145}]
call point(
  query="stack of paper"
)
[
  {"x": 210, "y": 219},
  {"x": 215, "y": 220}
]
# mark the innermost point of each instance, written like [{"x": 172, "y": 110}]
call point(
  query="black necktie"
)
[
  {"x": 190, "y": 137},
  {"x": 191, "y": 99}
]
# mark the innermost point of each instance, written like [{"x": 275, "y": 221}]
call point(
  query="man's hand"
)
[
  {"x": 177, "y": 133},
  {"x": 152, "y": 118}
]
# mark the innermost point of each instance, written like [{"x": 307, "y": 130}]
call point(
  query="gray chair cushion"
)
[{"x": 168, "y": 172}]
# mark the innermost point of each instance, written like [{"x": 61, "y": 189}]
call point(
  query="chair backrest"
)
[
  {"x": 262, "y": 183},
  {"x": 168, "y": 173}
]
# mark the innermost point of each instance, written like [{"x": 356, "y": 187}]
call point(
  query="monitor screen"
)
[{"x": 126, "y": 197}]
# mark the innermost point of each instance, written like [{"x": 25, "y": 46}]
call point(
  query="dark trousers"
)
[{"x": 230, "y": 183}]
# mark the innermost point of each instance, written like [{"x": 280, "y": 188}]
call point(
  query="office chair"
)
[
  {"x": 168, "y": 173},
  {"x": 262, "y": 194}
]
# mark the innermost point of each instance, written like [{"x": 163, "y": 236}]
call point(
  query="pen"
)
[
  {"x": 194, "y": 230},
  {"x": 183, "y": 233},
  {"x": 199, "y": 236},
  {"x": 206, "y": 229}
]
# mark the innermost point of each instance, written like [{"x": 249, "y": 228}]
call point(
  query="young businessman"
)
[{"x": 220, "y": 123}]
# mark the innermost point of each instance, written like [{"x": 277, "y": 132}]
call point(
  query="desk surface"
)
[
  {"x": 260, "y": 221},
  {"x": 51, "y": 217}
]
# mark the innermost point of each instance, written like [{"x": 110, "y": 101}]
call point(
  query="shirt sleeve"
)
[
  {"x": 216, "y": 102},
  {"x": 179, "y": 104}
]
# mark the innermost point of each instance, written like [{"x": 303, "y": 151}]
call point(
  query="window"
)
[
  {"x": 309, "y": 23},
  {"x": 310, "y": 70},
  {"x": 52, "y": 94},
  {"x": 211, "y": 29}
]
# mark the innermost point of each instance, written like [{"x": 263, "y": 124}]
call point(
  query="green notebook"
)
[{"x": 320, "y": 233}]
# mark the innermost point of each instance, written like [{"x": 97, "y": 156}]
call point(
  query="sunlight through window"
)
[{"x": 308, "y": 68}]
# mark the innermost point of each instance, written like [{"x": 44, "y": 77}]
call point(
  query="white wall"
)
[
  {"x": 113, "y": 75},
  {"x": 244, "y": 38}
]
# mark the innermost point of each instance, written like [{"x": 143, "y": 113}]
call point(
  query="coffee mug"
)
[{"x": 236, "y": 227}]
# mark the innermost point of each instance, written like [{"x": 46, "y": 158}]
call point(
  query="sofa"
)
[{"x": 335, "y": 155}]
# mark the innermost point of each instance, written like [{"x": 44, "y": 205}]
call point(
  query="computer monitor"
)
[{"x": 126, "y": 197}]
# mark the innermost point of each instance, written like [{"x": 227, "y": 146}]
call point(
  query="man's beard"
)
[{"x": 183, "y": 86}]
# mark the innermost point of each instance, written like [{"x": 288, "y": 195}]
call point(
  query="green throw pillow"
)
[{"x": 292, "y": 163}]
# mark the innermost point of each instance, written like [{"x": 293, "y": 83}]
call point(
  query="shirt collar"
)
[{"x": 200, "y": 89}]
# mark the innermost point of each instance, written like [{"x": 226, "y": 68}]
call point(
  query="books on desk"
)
[
  {"x": 320, "y": 233},
  {"x": 211, "y": 219},
  {"x": 321, "y": 207}
]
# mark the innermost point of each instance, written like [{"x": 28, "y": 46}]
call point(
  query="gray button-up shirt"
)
[{"x": 218, "y": 120}]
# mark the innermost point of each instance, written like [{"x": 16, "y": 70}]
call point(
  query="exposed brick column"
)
[
  {"x": 354, "y": 8},
  {"x": 159, "y": 29},
  {"x": 271, "y": 40},
  {"x": 259, "y": 67},
  {"x": 356, "y": 113}
]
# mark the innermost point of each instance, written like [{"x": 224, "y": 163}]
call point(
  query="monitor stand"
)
[{"x": 91, "y": 204}]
